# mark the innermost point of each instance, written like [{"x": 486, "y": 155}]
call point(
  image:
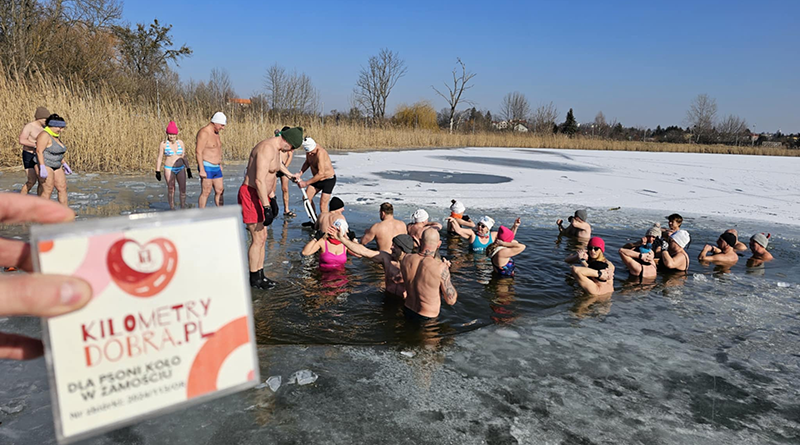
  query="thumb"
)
[{"x": 42, "y": 295}]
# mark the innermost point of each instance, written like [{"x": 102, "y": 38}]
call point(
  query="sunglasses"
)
[
  {"x": 595, "y": 248},
  {"x": 481, "y": 225}
]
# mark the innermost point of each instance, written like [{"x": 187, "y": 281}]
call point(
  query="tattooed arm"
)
[{"x": 449, "y": 293}]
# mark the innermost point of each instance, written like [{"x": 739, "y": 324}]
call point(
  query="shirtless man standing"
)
[
  {"x": 427, "y": 280},
  {"x": 208, "y": 150},
  {"x": 324, "y": 178},
  {"x": 286, "y": 159},
  {"x": 259, "y": 181},
  {"x": 28, "y": 140},
  {"x": 419, "y": 223},
  {"x": 723, "y": 253},
  {"x": 401, "y": 246},
  {"x": 578, "y": 227},
  {"x": 384, "y": 231}
]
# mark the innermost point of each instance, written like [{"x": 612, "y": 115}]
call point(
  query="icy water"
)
[{"x": 711, "y": 356}]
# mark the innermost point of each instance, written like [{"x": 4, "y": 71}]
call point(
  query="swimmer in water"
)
[
  {"x": 427, "y": 280},
  {"x": 402, "y": 245},
  {"x": 674, "y": 257},
  {"x": 333, "y": 254},
  {"x": 384, "y": 232},
  {"x": 740, "y": 246},
  {"x": 640, "y": 260},
  {"x": 419, "y": 223},
  {"x": 758, "y": 245},
  {"x": 503, "y": 250},
  {"x": 482, "y": 237},
  {"x": 594, "y": 273},
  {"x": 578, "y": 227},
  {"x": 457, "y": 210},
  {"x": 723, "y": 253},
  {"x": 175, "y": 166}
]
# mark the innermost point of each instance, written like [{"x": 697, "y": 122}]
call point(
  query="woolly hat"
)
[
  {"x": 505, "y": 234},
  {"x": 729, "y": 238},
  {"x": 342, "y": 226},
  {"x": 219, "y": 118},
  {"x": 654, "y": 231},
  {"x": 335, "y": 204},
  {"x": 596, "y": 241},
  {"x": 404, "y": 242},
  {"x": 294, "y": 136},
  {"x": 172, "y": 128},
  {"x": 681, "y": 237},
  {"x": 760, "y": 239},
  {"x": 487, "y": 221},
  {"x": 419, "y": 216},
  {"x": 457, "y": 207},
  {"x": 581, "y": 214},
  {"x": 309, "y": 145},
  {"x": 41, "y": 113}
]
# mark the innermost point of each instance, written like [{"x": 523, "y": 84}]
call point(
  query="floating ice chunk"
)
[
  {"x": 783, "y": 284},
  {"x": 700, "y": 278},
  {"x": 303, "y": 377},
  {"x": 13, "y": 407},
  {"x": 507, "y": 333},
  {"x": 274, "y": 382},
  {"x": 408, "y": 354}
]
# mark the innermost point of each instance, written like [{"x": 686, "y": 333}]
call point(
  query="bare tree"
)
[
  {"x": 220, "y": 86},
  {"x": 601, "y": 127},
  {"x": 701, "y": 115},
  {"x": 376, "y": 81},
  {"x": 455, "y": 92},
  {"x": 733, "y": 129},
  {"x": 290, "y": 93},
  {"x": 544, "y": 118},
  {"x": 514, "y": 107}
]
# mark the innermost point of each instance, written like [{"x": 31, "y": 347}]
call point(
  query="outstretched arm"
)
[
  {"x": 461, "y": 231},
  {"x": 358, "y": 249},
  {"x": 449, "y": 293}
]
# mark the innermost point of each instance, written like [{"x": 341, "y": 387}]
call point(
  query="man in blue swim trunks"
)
[{"x": 208, "y": 149}]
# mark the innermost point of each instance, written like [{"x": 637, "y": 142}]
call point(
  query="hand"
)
[
  {"x": 319, "y": 234},
  {"x": 446, "y": 262},
  {"x": 42, "y": 171},
  {"x": 273, "y": 204},
  {"x": 66, "y": 168},
  {"x": 559, "y": 222},
  {"x": 158, "y": 175},
  {"x": 333, "y": 232},
  {"x": 189, "y": 172},
  {"x": 517, "y": 222},
  {"x": 583, "y": 255},
  {"x": 648, "y": 257},
  {"x": 465, "y": 218},
  {"x": 297, "y": 176},
  {"x": 303, "y": 184},
  {"x": 351, "y": 235},
  {"x": 202, "y": 174},
  {"x": 41, "y": 295}
]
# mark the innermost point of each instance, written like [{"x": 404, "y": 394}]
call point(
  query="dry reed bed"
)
[{"x": 110, "y": 133}]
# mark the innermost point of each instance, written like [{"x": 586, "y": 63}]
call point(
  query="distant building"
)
[
  {"x": 521, "y": 128},
  {"x": 240, "y": 102}
]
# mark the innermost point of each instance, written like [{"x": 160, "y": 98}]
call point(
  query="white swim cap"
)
[
  {"x": 309, "y": 145},
  {"x": 219, "y": 118},
  {"x": 419, "y": 216},
  {"x": 681, "y": 237},
  {"x": 342, "y": 226},
  {"x": 487, "y": 221},
  {"x": 457, "y": 207}
]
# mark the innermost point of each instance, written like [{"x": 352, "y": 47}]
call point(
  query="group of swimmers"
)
[{"x": 409, "y": 253}]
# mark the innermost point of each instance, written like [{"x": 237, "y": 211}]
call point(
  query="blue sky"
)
[{"x": 639, "y": 62}]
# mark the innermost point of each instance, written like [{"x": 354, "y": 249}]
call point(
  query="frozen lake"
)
[{"x": 709, "y": 357}]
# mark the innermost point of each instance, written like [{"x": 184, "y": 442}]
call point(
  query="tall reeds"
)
[{"x": 109, "y": 132}]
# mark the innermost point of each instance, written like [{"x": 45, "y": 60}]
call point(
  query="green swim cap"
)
[{"x": 294, "y": 136}]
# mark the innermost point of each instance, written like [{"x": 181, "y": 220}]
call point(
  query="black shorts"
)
[
  {"x": 29, "y": 160},
  {"x": 279, "y": 174},
  {"x": 413, "y": 316},
  {"x": 326, "y": 185}
]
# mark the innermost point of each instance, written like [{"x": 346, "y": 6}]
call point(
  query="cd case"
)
[{"x": 170, "y": 323}]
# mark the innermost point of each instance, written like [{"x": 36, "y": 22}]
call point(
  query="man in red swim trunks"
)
[{"x": 258, "y": 207}]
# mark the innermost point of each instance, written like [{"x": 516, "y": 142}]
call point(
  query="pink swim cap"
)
[
  {"x": 172, "y": 128},
  {"x": 505, "y": 234}
]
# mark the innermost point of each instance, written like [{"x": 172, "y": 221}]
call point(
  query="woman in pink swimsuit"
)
[{"x": 333, "y": 254}]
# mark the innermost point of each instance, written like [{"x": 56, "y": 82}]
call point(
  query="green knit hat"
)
[{"x": 294, "y": 136}]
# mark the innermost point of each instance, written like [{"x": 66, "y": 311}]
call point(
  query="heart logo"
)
[{"x": 142, "y": 270}]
